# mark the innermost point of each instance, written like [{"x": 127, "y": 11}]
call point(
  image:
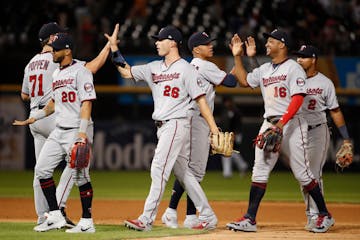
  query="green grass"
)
[
  {"x": 125, "y": 185},
  {"x": 134, "y": 185},
  {"x": 16, "y": 231}
]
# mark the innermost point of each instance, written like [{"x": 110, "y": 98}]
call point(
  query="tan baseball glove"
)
[
  {"x": 344, "y": 156},
  {"x": 222, "y": 143}
]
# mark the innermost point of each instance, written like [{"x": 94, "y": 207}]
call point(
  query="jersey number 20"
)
[{"x": 36, "y": 81}]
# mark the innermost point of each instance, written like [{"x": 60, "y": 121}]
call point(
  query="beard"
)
[{"x": 58, "y": 59}]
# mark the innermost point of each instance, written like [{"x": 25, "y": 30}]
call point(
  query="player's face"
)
[
  {"x": 163, "y": 46},
  {"x": 206, "y": 51},
  {"x": 272, "y": 46},
  {"x": 58, "y": 55},
  {"x": 305, "y": 63}
]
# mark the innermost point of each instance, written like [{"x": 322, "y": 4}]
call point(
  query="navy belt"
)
[
  {"x": 159, "y": 124},
  {"x": 310, "y": 127},
  {"x": 273, "y": 119}
]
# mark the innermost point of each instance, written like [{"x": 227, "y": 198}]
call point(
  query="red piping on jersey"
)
[
  {"x": 295, "y": 104},
  {"x": 163, "y": 170}
]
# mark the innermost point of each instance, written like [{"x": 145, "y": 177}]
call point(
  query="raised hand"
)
[
  {"x": 113, "y": 38},
  {"x": 236, "y": 45},
  {"x": 250, "y": 47}
]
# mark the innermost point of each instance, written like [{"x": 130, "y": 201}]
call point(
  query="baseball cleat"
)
[
  {"x": 191, "y": 221},
  {"x": 137, "y": 225},
  {"x": 323, "y": 223},
  {"x": 206, "y": 225},
  {"x": 311, "y": 223},
  {"x": 244, "y": 224},
  {"x": 55, "y": 220},
  {"x": 169, "y": 218},
  {"x": 85, "y": 225},
  {"x": 69, "y": 223}
]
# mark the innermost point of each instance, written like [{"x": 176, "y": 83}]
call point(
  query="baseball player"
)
[
  {"x": 282, "y": 84},
  {"x": 321, "y": 96},
  {"x": 73, "y": 93},
  {"x": 210, "y": 76},
  {"x": 174, "y": 86},
  {"x": 37, "y": 88}
]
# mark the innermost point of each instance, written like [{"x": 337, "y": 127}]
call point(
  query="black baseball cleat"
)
[{"x": 69, "y": 223}]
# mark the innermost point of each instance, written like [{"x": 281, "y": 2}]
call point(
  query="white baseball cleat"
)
[
  {"x": 191, "y": 221},
  {"x": 243, "y": 224},
  {"x": 137, "y": 225},
  {"x": 54, "y": 220},
  {"x": 311, "y": 222},
  {"x": 208, "y": 224},
  {"x": 323, "y": 223},
  {"x": 169, "y": 218},
  {"x": 85, "y": 225}
]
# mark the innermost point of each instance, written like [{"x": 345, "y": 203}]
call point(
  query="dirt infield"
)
[{"x": 276, "y": 220}]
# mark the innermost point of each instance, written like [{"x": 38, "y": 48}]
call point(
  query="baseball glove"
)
[
  {"x": 344, "y": 156},
  {"x": 222, "y": 143},
  {"x": 80, "y": 154},
  {"x": 270, "y": 140}
]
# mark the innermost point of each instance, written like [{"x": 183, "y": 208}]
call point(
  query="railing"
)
[{"x": 116, "y": 89}]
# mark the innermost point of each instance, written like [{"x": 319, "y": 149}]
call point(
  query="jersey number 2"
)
[
  {"x": 171, "y": 92},
  {"x": 34, "y": 79}
]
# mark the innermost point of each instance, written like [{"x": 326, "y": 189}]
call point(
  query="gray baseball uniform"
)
[
  {"x": 320, "y": 97},
  {"x": 71, "y": 86},
  {"x": 209, "y": 77},
  {"x": 37, "y": 84},
  {"x": 173, "y": 88},
  {"x": 278, "y": 83}
]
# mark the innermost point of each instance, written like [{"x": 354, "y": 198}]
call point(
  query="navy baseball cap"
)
[
  {"x": 278, "y": 35},
  {"x": 197, "y": 39},
  {"x": 169, "y": 32},
  {"x": 307, "y": 51},
  {"x": 49, "y": 29},
  {"x": 62, "y": 41}
]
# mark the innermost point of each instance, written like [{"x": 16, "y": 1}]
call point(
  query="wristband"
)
[
  {"x": 83, "y": 125},
  {"x": 344, "y": 132},
  {"x": 117, "y": 58},
  {"x": 39, "y": 114}
]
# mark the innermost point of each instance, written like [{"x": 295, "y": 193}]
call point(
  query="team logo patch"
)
[
  {"x": 88, "y": 87},
  {"x": 300, "y": 82},
  {"x": 200, "y": 83}
]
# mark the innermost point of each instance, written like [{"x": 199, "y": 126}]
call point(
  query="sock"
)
[
  {"x": 190, "y": 209},
  {"x": 314, "y": 190},
  {"x": 86, "y": 195},
  {"x": 49, "y": 189},
  {"x": 257, "y": 192},
  {"x": 177, "y": 192}
]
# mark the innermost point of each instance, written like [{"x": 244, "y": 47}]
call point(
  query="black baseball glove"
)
[
  {"x": 80, "y": 154},
  {"x": 270, "y": 140}
]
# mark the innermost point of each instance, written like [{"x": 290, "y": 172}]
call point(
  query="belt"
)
[
  {"x": 65, "y": 128},
  {"x": 38, "y": 107},
  {"x": 273, "y": 119},
  {"x": 159, "y": 124},
  {"x": 310, "y": 127}
]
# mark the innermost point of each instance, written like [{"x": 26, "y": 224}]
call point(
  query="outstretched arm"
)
[
  {"x": 240, "y": 72},
  {"x": 46, "y": 111},
  {"x": 251, "y": 52},
  {"x": 124, "y": 71},
  {"x": 99, "y": 61}
]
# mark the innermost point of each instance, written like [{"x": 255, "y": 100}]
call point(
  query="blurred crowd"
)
[{"x": 332, "y": 25}]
